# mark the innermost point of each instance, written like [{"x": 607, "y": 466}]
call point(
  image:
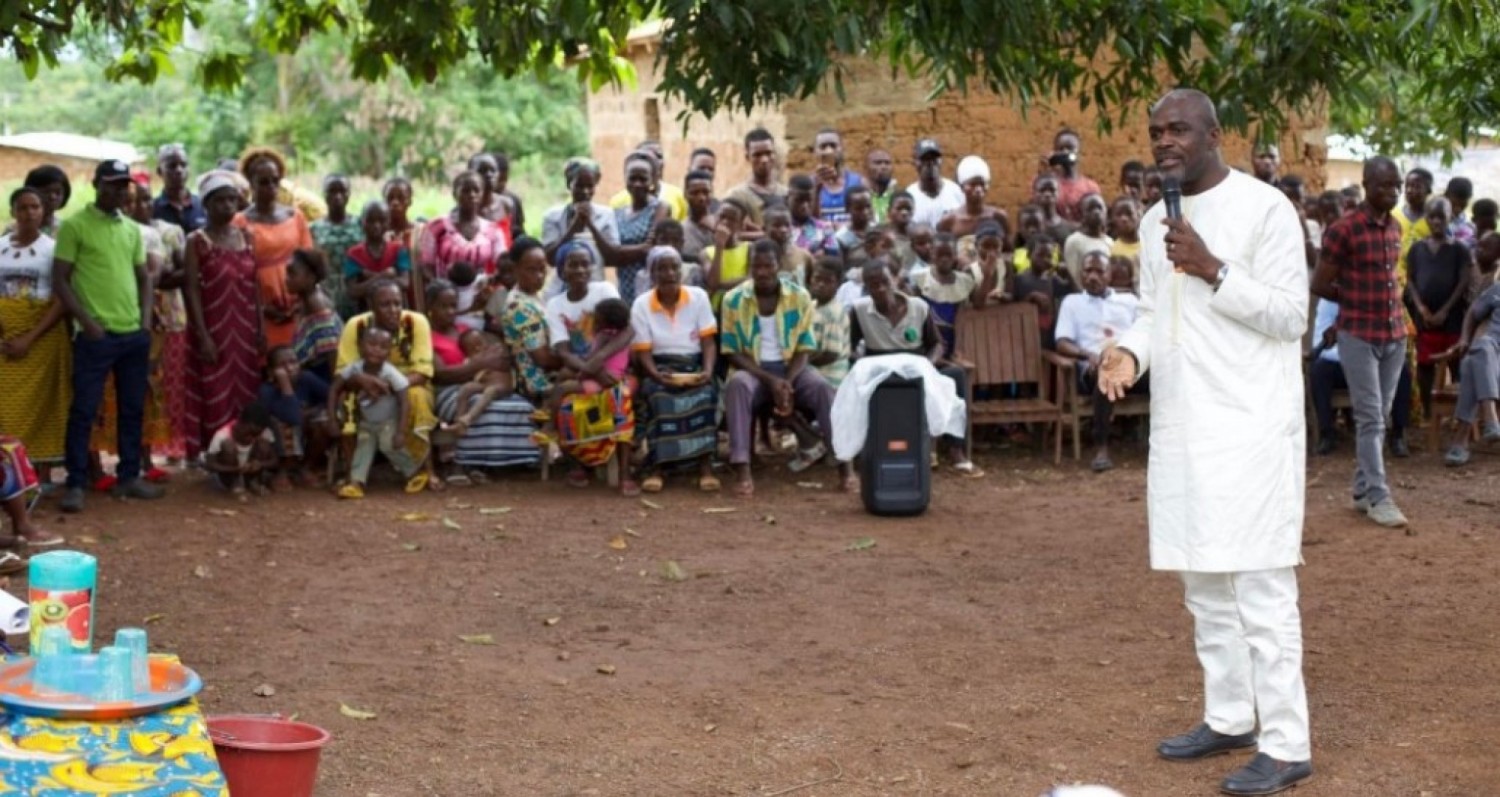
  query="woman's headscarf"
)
[
  {"x": 561, "y": 258},
  {"x": 655, "y": 256}
]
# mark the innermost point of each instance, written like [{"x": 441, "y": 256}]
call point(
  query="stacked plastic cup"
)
[{"x": 134, "y": 640}]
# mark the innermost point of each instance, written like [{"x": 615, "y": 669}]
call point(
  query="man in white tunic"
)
[{"x": 1222, "y": 311}]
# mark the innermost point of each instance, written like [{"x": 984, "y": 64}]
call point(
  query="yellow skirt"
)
[{"x": 37, "y": 389}]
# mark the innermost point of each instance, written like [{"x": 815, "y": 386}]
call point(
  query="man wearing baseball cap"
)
[
  {"x": 99, "y": 274},
  {"x": 932, "y": 194}
]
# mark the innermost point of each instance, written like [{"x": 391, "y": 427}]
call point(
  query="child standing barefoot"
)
[
  {"x": 242, "y": 454},
  {"x": 487, "y": 385},
  {"x": 381, "y": 414}
]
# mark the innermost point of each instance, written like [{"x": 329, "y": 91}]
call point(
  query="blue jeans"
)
[{"x": 128, "y": 356}]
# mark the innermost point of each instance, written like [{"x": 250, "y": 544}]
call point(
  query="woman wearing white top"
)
[{"x": 674, "y": 352}]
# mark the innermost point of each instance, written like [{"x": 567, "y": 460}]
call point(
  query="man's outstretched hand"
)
[{"x": 1116, "y": 372}]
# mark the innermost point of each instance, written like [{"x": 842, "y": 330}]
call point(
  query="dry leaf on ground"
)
[{"x": 354, "y": 713}]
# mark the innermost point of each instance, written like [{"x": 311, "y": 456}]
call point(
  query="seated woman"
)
[
  {"x": 674, "y": 353},
  {"x": 589, "y": 427},
  {"x": 411, "y": 354},
  {"x": 888, "y": 321},
  {"x": 500, "y": 435},
  {"x": 18, "y": 480},
  {"x": 585, "y": 347}
]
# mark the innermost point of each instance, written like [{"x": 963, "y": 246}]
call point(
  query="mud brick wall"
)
[
  {"x": 880, "y": 111},
  {"x": 15, "y": 163}
]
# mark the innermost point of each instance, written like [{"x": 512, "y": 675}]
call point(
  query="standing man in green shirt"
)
[{"x": 99, "y": 275}]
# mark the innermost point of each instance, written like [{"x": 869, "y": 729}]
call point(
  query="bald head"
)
[
  {"x": 1185, "y": 137},
  {"x": 1197, "y": 105}
]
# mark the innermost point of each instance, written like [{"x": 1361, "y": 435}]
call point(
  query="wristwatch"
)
[{"x": 1219, "y": 280}]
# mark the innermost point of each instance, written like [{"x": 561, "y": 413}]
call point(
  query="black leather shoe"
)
[
  {"x": 1266, "y": 775},
  {"x": 1202, "y": 742}
]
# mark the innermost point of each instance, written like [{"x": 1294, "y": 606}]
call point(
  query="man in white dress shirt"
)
[
  {"x": 1222, "y": 311},
  {"x": 1086, "y": 323}
]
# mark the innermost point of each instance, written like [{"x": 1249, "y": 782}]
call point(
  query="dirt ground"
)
[{"x": 1010, "y": 639}]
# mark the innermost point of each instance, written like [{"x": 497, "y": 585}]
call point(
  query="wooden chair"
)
[
  {"x": 1001, "y": 346},
  {"x": 1078, "y": 409},
  {"x": 1340, "y": 402},
  {"x": 1444, "y": 406}
]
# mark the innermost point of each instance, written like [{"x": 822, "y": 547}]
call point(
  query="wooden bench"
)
[{"x": 1000, "y": 346}]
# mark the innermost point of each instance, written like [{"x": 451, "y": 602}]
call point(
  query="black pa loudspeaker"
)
[{"x": 895, "y": 468}]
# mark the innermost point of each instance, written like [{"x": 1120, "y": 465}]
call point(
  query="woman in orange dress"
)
[{"x": 279, "y": 230}]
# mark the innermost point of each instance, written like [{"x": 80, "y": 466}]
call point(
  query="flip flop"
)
[
  {"x": 459, "y": 480},
  {"x": 1102, "y": 464},
  {"x": 709, "y": 484},
  {"x": 351, "y": 491},
  {"x": 652, "y": 484},
  {"x": 578, "y": 478},
  {"x": 968, "y": 470},
  {"x": 11, "y": 563},
  {"x": 44, "y": 539},
  {"x": 629, "y": 489},
  {"x": 420, "y": 482},
  {"x": 158, "y": 476},
  {"x": 744, "y": 489}
]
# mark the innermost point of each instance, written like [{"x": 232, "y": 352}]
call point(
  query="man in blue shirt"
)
[{"x": 176, "y": 204}]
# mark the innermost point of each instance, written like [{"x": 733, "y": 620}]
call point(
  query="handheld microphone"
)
[{"x": 1171, "y": 195}]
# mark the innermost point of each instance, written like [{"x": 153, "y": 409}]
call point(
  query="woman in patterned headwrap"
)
[{"x": 580, "y": 219}]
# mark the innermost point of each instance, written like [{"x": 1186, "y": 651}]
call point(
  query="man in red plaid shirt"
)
[{"x": 1357, "y": 270}]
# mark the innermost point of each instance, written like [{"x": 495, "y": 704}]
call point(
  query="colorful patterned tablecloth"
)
[{"x": 166, "y": 754}]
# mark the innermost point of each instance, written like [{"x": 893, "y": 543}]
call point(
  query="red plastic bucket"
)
[{"x": 266, "y": 756}]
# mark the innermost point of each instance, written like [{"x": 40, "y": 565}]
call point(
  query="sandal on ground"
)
[
  {"x": 477, "y": 476},
  {"x": 43, "y": 539},
  {"x": 578, "y": 478},
  {"x": 542, "y": 439},
  {"x": 629, "y": 488},
  {"x": 11, "y": 563},
  {"x": 1101, "y": 464},
  {"x": 807, "y": 457},
  {"x": 709, "y": 483},
  {"x": 850, "y": 483},
  {"x": 351, "y": 491},
  {"x": 459, "y": 480},
  {"x": 968, "y": 470},
  {"x": 104, "y": 484},
  {"x": 422, "y": 481},
  {"x": 652, "y": 484},
  {"x": 744, "y": 489},
  {"x": 158, "y": 476}
]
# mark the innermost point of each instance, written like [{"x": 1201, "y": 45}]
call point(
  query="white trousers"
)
[{"x": 1249, "y": 636}]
